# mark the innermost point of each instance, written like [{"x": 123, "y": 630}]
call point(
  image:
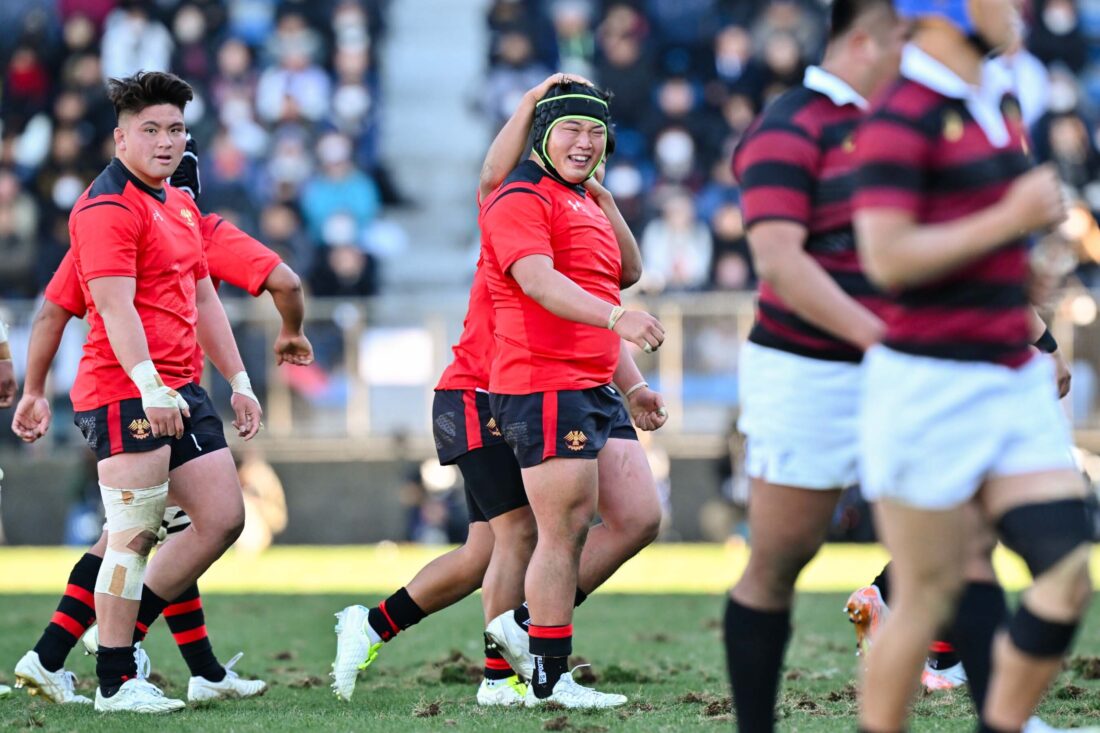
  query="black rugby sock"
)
[{"x": 756, "y": 642}]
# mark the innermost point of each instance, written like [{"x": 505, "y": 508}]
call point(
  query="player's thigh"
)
[
  {"x": 627, "y": 490},
  {"x": 999, "y": 494},
  {"x": 135, "y": 470},
  {"x": 927, "y": 548},
  {"x": 208, "y": 489},
  {"x": 786, "y": 521},
  {"x": 559, "y": 488}
]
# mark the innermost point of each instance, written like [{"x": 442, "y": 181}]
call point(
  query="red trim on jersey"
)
[
  {"x": 473, "y": 420},
  {"x": 114, "y": 427},
  {"x": 68, "y": 623},
  {"x": 497, "y": 664},
  {"x": 186, "y": 637},
  {"x": 549, "y": 424},
  {"x": 550, "y": 632},
  {"x": 80, "y": 594},
  {"x": 178, "y": 609}
]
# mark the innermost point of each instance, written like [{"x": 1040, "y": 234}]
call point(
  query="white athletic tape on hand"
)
[
  {"x": 154, "y": 393},
  {"x": 133, "y": 521},
  {"x": 241, "y": 384}
]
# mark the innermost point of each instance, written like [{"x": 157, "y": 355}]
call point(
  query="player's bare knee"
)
[{"x": 1063, "y": 591}]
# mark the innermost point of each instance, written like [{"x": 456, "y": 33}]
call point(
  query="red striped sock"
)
[
  {"x": 186, "y": 620},
  {"x": 75, "y": 613},
  {"x": 495, "y": 666}
]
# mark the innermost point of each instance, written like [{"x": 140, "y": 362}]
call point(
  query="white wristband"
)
[
  {"x": 635, "y": 388},
  {"x": 241, "y": 384},
  {"x": 617, "y": 312},
  {"x": 145, "y": 376}
]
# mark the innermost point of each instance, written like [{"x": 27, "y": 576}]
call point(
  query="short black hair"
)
[
  {"x": 845, "y": 13},
  {"x": 148, "y": 88}
]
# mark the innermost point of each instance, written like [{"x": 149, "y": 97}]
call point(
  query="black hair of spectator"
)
[
  {"x": 146, "y": 89},
  {"x": 845, "y": 13}
]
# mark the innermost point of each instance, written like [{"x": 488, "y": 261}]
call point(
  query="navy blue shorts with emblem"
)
[
  {"x": 121, "y": 427},
  {"x": 573, "y": 423},
  {"x": 466, "y": 434}
]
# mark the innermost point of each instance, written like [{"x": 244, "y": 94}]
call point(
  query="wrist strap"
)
[
  {"x": 145, "y": 376},
  {"x": 241, "y": 383},
  {"x": 616, "y": 313},
  {"x": 636, "y": 387},
  {"x": 1046, "y": 342}
]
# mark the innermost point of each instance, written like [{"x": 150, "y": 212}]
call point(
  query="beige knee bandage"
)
[{"x": 133, "y": 521}]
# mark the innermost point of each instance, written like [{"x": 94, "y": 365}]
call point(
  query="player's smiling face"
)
[
  {"x": 575, "y": 148},
  {"x": 150, "y": 142}
]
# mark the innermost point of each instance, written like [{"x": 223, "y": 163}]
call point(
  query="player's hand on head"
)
[
  {"x": 248, "y": 415},
  {"x": 32, "y": 418},
  {"x": 641, "y": 329},
  {"x": 186, "y": 178},
  {"x": 1036, "y": 199},
  {"x": 293, "y": 348},
  {"x": 647, "y": 409},
  {"x": 539, "y": 91}
]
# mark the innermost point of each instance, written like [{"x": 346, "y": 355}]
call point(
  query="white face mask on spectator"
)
[
  {"x": 66, "y": 190},
  {"x": 1060, "y": 19}
]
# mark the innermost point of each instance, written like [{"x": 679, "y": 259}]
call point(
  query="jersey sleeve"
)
[
  {"x": 64, "y": 291},
  {"x": 891, "y": 153},
  {"x": 517, "y": 225},
  {"x": 776, "y": 166},
  {"x": 236, "y": 258},
  {"x": 105, "y": 238}
]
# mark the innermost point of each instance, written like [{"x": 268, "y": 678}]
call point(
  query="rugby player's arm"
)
[
  {"x": 781, "y": 260},
  {"x": 114, "y": 300},
  {"x": 897, "y": 252},
  {"x": 214, "y": 334},
  {"x": 285, "y": 287},
  {"x": 32, "y": 416},
  {"x": 630, "y": 254},
  {"x": 1062, "y": 374},
  {"x": 540, "y": 282}
]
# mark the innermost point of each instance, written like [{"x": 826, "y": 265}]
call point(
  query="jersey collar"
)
[
  {"x": 833, "y": 87},
  {"x": 160, "y": 194},
  {"x": 983, "y": 102}
]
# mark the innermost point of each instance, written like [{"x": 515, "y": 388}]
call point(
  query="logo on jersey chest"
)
[
  {"x": 157, "y": 216},
  {"x": 952, "y": 126},
  {"x": 575, "y": 205},
  {"x": 188, "y": 217}
]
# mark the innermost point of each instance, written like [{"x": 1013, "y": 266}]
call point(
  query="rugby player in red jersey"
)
[
  {"x": 957, "y": 405},
  {"x": 138, "y": 253},
  {"x": 554, "y": 270},
  {"x": 817, "y": 314},
  {"x": 236, "y": 258},
  {"x": 502, "y": 529}
]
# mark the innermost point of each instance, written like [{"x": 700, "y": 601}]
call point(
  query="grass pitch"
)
[{"x": 662, "y": 650}]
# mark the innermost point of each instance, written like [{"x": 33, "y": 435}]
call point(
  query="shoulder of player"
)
[
  {"x": 526, "y": 185},
  {"x": 909, "y": 104}
]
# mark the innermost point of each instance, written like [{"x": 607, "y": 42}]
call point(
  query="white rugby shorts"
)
[
  {"x": 800, "y": 418},
  {"x": 933, "y": 430}
]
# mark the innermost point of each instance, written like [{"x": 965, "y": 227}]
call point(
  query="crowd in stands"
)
[
  {"x": 690, "y": 75},
  {"x": 285, "y": 116}
]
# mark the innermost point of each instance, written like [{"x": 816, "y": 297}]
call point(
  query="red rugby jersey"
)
[
  {"x": 120, "y": 227},
  {"x": 795, "y": 164},
  {"x": 473, "y": 354},
  {"x": 923, "y": 153},
  {"x": 534, "y": 213}
]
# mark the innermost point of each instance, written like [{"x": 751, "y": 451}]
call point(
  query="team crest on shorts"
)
[
  {"x": 140, "y": 429},
  {"x": 575, "y": 440},
  {"x": 491, "y": 426}
]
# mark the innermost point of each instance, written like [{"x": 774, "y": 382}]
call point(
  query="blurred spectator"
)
[
  {"x": 624, "y": 66},
  {"x": 338, "y": 188},
  {"x": 296, "y": 88},
  {"x": 576, "y": 44},
  {"x": 133, "y": 42},
  {"x": 511, "y": 76},
  {"x": 26, "y": 89},
  {"x": 676, "y": 247},
  {"x": 265, "y": 514},
  {"x": 18, "y": 229},
  {"x": 281, "y": 230},
  {"x": 1056, "y": 35},
  {"x": 343, "y": 268}
]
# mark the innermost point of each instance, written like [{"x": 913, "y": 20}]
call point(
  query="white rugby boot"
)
[
  {"x": 513, "y": 643},
  {"x": 357, "y": 645},
  {"x": 53, "y": 686},
  {"x": 569, "y": 694},
  {"x": 90, "y": 641},
  {"x": 230, "y": 688},
  {"x": 4, "y": 690},
  {"x": 137, "y": 696},
  {"x": 501, "y": 693}
]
